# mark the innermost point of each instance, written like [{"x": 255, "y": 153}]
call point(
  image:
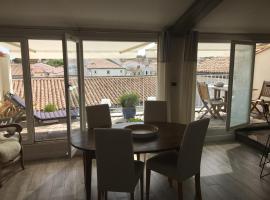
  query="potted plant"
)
[
  {"x": 128, "y": 102},
  {"x": 50, "y": 107}
]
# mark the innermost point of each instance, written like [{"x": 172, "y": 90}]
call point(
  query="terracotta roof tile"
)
[
  {"x": 101, "y": 64},
  {"x": 214, "y": 65},
  {"x": 51, "y": 90},
  {"x": 16, "y": 69},
  {"x": 37, "y": 68}
]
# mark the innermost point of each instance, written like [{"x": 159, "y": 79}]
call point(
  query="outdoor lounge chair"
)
[
  {"x": 213, "y": 106},
  {"x": 42, "y": 116},
  {"x": 265, "y": 92}
]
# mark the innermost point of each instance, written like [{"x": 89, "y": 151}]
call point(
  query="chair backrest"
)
[
  {"x": 98, "y": 116},
  {"x": 115, "y": 162},
  {"x": 265, "y": 91},
  {"x": 155, "y": 111},
  {"x": 203, "y": 91},
  {"x": 189, "y": 159}
]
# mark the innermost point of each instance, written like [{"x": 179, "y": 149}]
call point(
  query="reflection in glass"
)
[
  {"x": 242, "y": 74},
  {"x": 73, "y": 86}
]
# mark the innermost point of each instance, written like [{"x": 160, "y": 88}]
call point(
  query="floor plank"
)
[{"x": 229, "y": 171}]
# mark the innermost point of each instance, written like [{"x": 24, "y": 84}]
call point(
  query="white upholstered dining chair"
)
[
  {"x": 116, "y": 173},
  {"x": 155, "y": 111},
  {"x": 98, "y": 116},
  {"x": 183, "y": 164}
]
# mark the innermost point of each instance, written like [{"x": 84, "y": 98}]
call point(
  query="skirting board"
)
[
  {"x": 219, "y": 138},
  {"x": 43, "y": 150},
  {"x": 219, "y": 135}
]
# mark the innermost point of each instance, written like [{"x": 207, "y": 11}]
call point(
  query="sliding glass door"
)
[
  {"x": 14, "y": 106},
  {"x": 48, "y": 89},
  {"x": 73, "y": 86},
  {"x": 240, "y": 83}
]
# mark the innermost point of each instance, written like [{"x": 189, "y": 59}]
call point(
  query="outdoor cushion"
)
[
  {"x": 9, "y": 147},
  {"x": 45, "y": 116}
]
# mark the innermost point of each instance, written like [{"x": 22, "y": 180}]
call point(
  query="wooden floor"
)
[{"x": 229, "y": 171}]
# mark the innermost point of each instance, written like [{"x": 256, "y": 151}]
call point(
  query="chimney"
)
[{"x": 5, "y": 75}]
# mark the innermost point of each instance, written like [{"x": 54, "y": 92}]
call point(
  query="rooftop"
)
[
  {"x": 51, "y": 90},
  {"x": 101, "y": 64},
  {"x": 213, "y": 65}
]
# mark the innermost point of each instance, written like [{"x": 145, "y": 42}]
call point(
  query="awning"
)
[{"x": 52, "y": 49}]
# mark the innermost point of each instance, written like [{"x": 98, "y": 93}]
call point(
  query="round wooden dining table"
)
[{"x": 169, "y": 137}]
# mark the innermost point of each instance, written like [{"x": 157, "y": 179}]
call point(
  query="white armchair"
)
[{"x": 11, "y": 149}]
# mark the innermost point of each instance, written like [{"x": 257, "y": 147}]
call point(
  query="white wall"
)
[
  {"x": 103, "y": 72},
  {"x": 261, "y": 71},
  {"x": 5, "y": 76}
]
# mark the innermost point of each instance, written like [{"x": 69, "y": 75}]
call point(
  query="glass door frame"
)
[
  {"x": 69, "y": 37},
  {"x": 218, "y": 133},
  {"x": 230, "y": 86},
  {"x": 26, "y": 84}
]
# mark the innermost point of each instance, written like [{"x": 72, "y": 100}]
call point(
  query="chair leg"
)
[
  {"x": 21, "y": 159},
  {"x": 201, "y": 109},
  {"x": 180, "y": 191},
  {"x": 148, "y": 178},
  {"x": 138, "y": 156},
  {"x": 216, "y": 112},
  {"x": 144, "y": 157},
  {"x": 198, "y": 186},
  {"x": 105, "y": 195},
  {"x": 141, "y": 184},
  {"x": 99, "y": 194},
  {"x": 0, "y": 177},
  {"x": 132, "y": 196},
  {"x": 253, "y": 105},
  {"x": 210, "y": 111},
  {"x": 170, "y": 182},
  {"x": 205, "y": 113},
  {"x": 22, "y": 164}
]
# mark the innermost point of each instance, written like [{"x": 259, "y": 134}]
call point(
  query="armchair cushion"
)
[{"x": 9, "y": 147}]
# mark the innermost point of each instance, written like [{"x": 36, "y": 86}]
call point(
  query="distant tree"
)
[{"x": 55, "y": 62}]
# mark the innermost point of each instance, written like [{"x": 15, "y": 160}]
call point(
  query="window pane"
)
[
  {"x": 243, "y": 66},
  {"x": 74, "y": 86},
  {"x": 48, "y": 89},
  {"x": 113, "y": 68}
]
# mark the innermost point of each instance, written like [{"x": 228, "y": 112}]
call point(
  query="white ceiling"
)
[
  {"x": 231, "y": 16},
  {"x": 149, "y": 15},
  {"x": 238, "y": 16}
]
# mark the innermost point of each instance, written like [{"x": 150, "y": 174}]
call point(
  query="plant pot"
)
[{"x": 129, "y": 112}]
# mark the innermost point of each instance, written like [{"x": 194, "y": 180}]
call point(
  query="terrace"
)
[{"x": 213, "y": 67}]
